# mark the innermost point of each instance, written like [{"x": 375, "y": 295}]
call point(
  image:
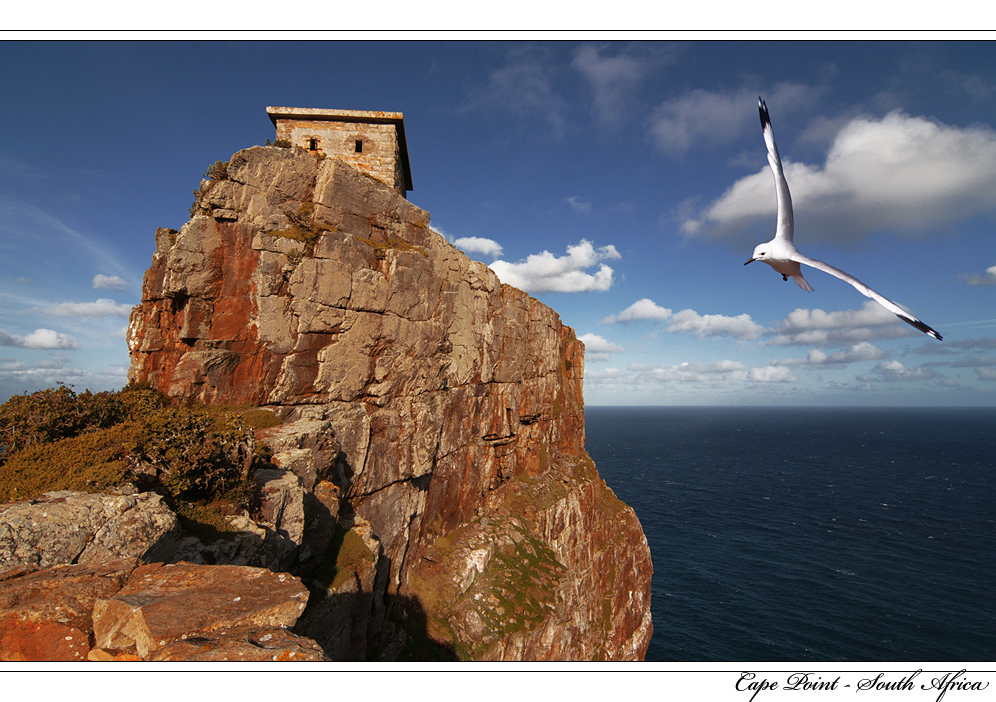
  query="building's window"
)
[
  {"x": 313, "y": 144},
  {"x": 359, "y": 146}
]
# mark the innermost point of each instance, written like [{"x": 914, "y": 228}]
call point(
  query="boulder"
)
[
  {"x": 46, "y": 615},
  {"x": 127, "y": 610},
  {"x": 163, "y": 603},
  {"x": 69, "y": 527}
]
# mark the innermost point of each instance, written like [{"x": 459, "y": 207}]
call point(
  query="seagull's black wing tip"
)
[
  {"x": 763, "y": 111},
  {"x": 916, "y": 323}
]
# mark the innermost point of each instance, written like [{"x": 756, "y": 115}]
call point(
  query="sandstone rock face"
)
[
  {"x": 47, "y": 615},
  {"x": 434, "y": 412},
  {"x": 75, "y": 527},
  {"x": 165, "y": 603},
  {"x": 124, "y": 610}
]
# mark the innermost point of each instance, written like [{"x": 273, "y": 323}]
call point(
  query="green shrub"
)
[
  {"x": 57, "y": 440},
  {"x": 303, "y": 228},
  {"x": 90, "y": 462},
  {"x": 192, "y": 458},
  {"x": 53, "y": 414},
  {"x": 217, "y": 171},
  {"x": 141, "y": 399},
  {"x": 397, "y": 243}
]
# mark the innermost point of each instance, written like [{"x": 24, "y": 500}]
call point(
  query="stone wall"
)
[{"x": 380, "y": 157}]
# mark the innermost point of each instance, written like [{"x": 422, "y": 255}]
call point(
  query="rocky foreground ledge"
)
[
  {"x": 429, "y": 484},
  {"x": 127, "y": 610}
]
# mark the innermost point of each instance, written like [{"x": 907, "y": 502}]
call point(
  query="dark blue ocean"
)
[{"x": 811, "y": 534}]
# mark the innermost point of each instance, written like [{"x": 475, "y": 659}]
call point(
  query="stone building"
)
[{"x": 372, "y": 142}]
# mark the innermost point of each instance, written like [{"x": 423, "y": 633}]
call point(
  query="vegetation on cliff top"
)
[
  {"x": 58, "y": 439},
  {"x": 216, "y": 172}
]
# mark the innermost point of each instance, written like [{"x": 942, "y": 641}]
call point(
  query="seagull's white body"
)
[{"x": 780, "y": 253}]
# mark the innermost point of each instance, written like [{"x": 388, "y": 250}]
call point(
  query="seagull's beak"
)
[{"x": 750, "y": 261}]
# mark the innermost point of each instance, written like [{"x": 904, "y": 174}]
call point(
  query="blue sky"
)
[{"x": 622, "y": 183}]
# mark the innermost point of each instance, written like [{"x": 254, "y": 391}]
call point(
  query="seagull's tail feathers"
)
[{"x": 801, "y": 282}]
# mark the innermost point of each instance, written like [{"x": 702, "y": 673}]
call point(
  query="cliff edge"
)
[{"x": 438, "y": 410}]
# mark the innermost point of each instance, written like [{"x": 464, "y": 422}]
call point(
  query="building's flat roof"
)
[
  {"x": 319, "y": 113},
  {"x": 363, "y": 116}
]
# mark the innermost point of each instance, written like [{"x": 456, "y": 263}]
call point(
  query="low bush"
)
[
  {"x": 53, "y": 414},
  {"x": 57, "y": 439},
  {"x": 304, "y": 228},
  {"x": 90, "y": 462},
  {"x": 217, "y": 171}
]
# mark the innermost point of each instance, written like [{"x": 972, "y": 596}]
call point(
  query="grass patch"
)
[
  {"x": 393, "y": 243},
  {"x": 206, "y": 522},
  {"x": 303, "y": 228},
  {"x": 346, "y": 556},
  {"x": 260, "y": 419}
]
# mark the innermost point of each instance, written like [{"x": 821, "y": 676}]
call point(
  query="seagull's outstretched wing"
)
[
  {"x": 785, "y": 226},
  {"x": 868, "y": 292}
]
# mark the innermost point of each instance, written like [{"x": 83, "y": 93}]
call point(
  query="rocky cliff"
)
[{"x": 432, "y": 413}]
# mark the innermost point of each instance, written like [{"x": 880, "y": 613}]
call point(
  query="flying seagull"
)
[{"x": 780, "y": 253}]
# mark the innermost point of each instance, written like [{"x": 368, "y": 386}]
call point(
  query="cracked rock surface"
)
[{"x": 439, "y": 412}]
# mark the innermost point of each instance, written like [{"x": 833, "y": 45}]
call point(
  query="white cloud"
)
[
  {"x": 594, "y": 342},
  {"x": 904, "y": 174},
  {"x": 987, "y": 278},
  {"x": 578, "y": 205},
  {"x": 804, "y": 327},
  {"x": 740, "y": 327},
  {"x": 607, "y": 375},
  {"x": 699, "y": 116},
  {"x": 18, "y": 377},
  {"x": 715, "y": 373},
  {"x": 523, "y": 87},
  {"x": 101, "y": 308},
  {"x": 544, "y": 272},
  {"x": 109, "y": 282},
  {"x": 48, "y": 339},
  {"x": 39, "y": 339},
  {"x": 598, "y": 348},
  {"x": 706, "y": 117},
  {"x": 771, "y": 374},
  {"x": 613, "y": 80},
  {"x": 894, "y": 372},
  {"x": 478, "y": 244},
  {"x": 985, "y": 373},
  {"x": 641, "y": 309},
  {"x": 861, "y": 351}
]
